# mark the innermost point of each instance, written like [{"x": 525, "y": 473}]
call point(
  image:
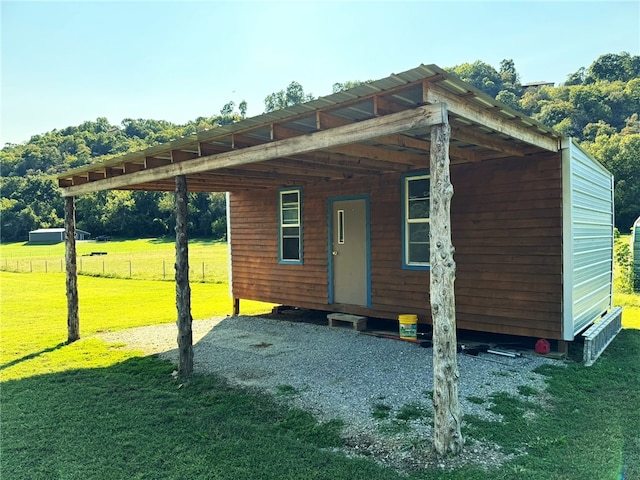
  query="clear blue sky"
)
[{"x": 67, "y": 62}]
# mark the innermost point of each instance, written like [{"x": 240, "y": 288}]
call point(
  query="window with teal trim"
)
[
  {"x": 416, "y": 221},
  {"x": 290, "y": 227}
]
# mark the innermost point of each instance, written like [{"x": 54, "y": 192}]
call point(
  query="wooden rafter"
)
[
  {"x": 492, "y": 142},
  {"x": 459, "y": 154},
  {"x": 377, "y": 153},
  {"x": 383, "y": 106},
  {"x": 488, "y": 118},
  {"x": 182, "y": 156},
  {"x": 407, "y": 120},
  {"x": 325, "y": 120}
]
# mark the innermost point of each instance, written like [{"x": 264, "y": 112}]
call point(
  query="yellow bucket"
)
[{"x": 408, "y": 326}]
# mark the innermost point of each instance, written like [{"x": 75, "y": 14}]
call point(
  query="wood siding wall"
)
[{"x": 507, "y": 231}]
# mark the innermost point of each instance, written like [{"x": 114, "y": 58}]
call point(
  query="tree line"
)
[{"x": 598, "y": 105}]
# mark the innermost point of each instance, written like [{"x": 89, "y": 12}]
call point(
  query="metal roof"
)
[
  {"x": 482, "y": 128},
  {"x": 55, "y": 230}
]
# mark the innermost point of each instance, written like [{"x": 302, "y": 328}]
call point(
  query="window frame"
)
[
  {"x": 406, "y": 221},
  {"x": 282, "y": 225}
]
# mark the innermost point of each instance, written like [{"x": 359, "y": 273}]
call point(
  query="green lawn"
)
[
  {"x": 92, "y": 411},
  {"x": 33, "y": 312},
  {"x": 631, "y": 309},
  {"x": 622, "y": 294},
  {"x": 148, "y": 259}
]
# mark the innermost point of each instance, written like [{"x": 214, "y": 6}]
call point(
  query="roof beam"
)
[
  {"x": 153, "y": 162},
  {"x": 267, "y": 171},
  {"x": 206, "y": 149},
  {"x": 326, "y": 120},
  {"x": 239, "y": 140},
  {"x": 420, "y": 117},
  {"x": 486, "y": 141},
  {"x": 360, "y": 162},
  {"x": 384, "y": 106},
  {"x": 129, "y": 167},
  {"x": 410, "y": 142},
  {"x": 383, "y": 154},
  {"x": 97, "y": 175},
  {"x": 324, "y": 166},
  {"x": 280, "y": 132},
  {"x": 181, "y": 156},
  {"x": 436, "y": 95}
]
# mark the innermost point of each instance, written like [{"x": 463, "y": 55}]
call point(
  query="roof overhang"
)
[{"x": 372, "y": 129}]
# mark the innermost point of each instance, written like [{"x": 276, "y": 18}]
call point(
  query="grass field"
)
[
  {"x": 146, "y": 259},
  {"x": 90, "y": 410},
  {"x": 622, "y": 294},
  {"x": 33, "y": 312}
]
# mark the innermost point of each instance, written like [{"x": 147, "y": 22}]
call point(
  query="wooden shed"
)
[{"x": 329, "y": 206}]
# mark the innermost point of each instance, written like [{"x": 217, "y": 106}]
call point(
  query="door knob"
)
[{"x": 334, "y": 253}]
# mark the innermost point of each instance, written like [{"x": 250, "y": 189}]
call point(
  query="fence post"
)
[
  {"x": 129, "y": 268},
  {"x": 30, "y": 266},
  {"x": 203, "y": 271},
  {"x": 164, "y": 270},
  {"x": 103, "y": 267}
]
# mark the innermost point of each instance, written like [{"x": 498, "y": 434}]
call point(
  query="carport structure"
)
[{"x": 420, "y": 120}]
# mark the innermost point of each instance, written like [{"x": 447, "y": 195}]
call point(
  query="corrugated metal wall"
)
[{"x": 588, "y": 239}]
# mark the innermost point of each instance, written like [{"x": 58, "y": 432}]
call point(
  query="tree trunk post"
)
[
  {"x": 183, "y": 289},
  {"x": 448, "y": 415},
  {"x": 73, "y": 320}
]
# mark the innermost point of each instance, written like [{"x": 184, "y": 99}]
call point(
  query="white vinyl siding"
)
[{"x": 588, "y": 234}]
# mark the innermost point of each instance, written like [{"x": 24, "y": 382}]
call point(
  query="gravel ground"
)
[{"x": 340, "y": 373}]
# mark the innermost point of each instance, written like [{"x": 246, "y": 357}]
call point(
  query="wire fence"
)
[{"x": 101, "y": 266}]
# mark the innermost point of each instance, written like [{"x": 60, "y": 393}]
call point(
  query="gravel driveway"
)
[{"x": 340, "y": 373}]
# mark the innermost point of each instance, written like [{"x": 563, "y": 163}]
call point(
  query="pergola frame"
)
[{"x": 391, "y": 125}]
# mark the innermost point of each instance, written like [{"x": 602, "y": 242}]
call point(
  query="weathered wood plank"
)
[
  {"x": 183, "y": 288},
  {"x": 73, "y": 318},
  {"x": 447, "y": 437}
]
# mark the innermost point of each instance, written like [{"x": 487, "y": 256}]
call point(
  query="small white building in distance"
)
[{"x": 54, "y": 235}]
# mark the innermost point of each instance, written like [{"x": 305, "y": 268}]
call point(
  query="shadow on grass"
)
[
  {"x": 134, "y": 420},
  {"x": 32, "y": 356}
]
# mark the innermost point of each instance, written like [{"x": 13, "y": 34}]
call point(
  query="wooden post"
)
[
  {"x": 236, "y": 307},
  {"x": 73, "y": 320},
  {"x": 183, "y": 289},
  {"x": 448, "y": 414}
]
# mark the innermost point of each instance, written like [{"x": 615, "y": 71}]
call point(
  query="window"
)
[
  {"x": 340, "y": 227},
  {"x": 290, "y": 227},
  {"x": 415, "y": 192}
]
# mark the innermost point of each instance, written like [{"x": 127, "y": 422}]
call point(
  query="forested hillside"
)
[
  {"x": 30, "y": 199},
  {"x": 598, "y": 105}
]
